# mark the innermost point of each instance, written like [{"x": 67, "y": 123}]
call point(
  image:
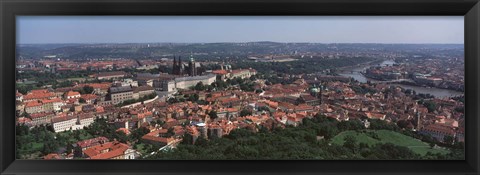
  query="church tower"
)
[
  {"x": 419, "y": 121},
  {"x": 192, "y": 67},
  {"x": 174, "y": 70},
  {"x": 320, "y": 96},
  {"x": 180, "y": 66}
]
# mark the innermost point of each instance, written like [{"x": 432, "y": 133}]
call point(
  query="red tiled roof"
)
[
  {"x": 221, "y": 72},
  {"x": 232, "y": 110},
  {"x": 89, "y": 96},
  {"x": 32, "y": 104},
  {"x": 236, "y": 71},
  {"x": 227, "y": 100},
  {"x": 374, "y": 115},
  {"x": 145, "y": 114},
  {"x": 158, "y": 139},
  {"x": 97, "y": 85},
  {"x": 124, "y": 130},
  {"x": 440, "y": 129},
  {"x": 91, "y": 142},
  {"x": 40, "y": 114},
  {"x": 38, "y": 94},
  {"x": 35, "y": 91},
  {"x": 99, "y": 109},
  {"x": 55, "y": 100},
  {"x": 72, "y": 93},
  {"x": 85, "y": 115},
  {"x": 114, "y": 149},
  {"x": 304, "y": 107},
  {"x": 309, "y": 98},
  {"x": 23, "y": 120},
  {"x": 63, "y": 118},
  {"x": 287, "y": 105},
  {"x": 52, "y": 156},
  {"x": 157, "y": 132},
  {"x": 192, "y": 130}
]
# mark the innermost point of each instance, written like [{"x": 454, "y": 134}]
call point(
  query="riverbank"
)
[
  {"x": 409, "y": 82},
  {"x": 355, "y": 72},
  {"x": 362, "y": 65}
]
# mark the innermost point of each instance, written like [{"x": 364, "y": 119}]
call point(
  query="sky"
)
[{"x": 208, "y": 29}]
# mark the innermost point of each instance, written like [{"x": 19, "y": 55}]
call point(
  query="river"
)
[{"x": 354, "y": 72}]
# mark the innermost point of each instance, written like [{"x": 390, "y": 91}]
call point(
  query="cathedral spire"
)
[
  {"x": 180, "y": 66},
  {"x": 174, "y": 71},
  {"x": 174, "y": 61}
]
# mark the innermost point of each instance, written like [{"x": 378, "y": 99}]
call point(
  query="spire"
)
[
  {"x": 174, "y": 65},
  {"x": 180, "y": 72}
]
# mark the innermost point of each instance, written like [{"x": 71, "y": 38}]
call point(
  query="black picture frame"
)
[{"x": 470, "y": 9}]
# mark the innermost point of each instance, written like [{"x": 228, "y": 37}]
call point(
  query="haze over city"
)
[{"x": 209, "y": 29}]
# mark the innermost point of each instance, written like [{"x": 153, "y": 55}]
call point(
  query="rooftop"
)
[
  {"x": 91, "y": 142},
  {"x": 107, "y": 150},
  {"x": 72, "y": 93},
  {"x": 203, "y": 77},
  {"x": 120, "y": 89}
]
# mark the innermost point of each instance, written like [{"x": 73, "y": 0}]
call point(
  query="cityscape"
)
[{"x": 239, "y": 100}]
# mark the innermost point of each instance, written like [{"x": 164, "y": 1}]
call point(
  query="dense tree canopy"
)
[{"x": 292, "y": 143}]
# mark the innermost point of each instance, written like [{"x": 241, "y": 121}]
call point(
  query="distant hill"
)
[{"x": 201, "y": 50}]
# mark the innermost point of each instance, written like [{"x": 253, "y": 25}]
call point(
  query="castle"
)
[{"x": 180, "y": 68}]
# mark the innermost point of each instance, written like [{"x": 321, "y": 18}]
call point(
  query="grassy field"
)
[{"x": 385, "y": 136}]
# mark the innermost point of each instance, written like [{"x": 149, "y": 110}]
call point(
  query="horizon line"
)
[{"x": 235, "y": 43}]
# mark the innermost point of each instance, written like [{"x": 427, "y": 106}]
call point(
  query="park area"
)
[{"x": 372, "y": 137}]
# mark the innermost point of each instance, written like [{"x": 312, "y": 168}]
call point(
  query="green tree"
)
[
  {"x": 193, "y": 97},
  {"x": 430, "y": 105},
  {"x": 351, "y": 143},
  {"x": 172, "y": 100},
  {"x": 49, "y": 145},
  {"x": 88, "y": 89},
  {"x": 77, "y": 152},
  {"x": 69, "y": 148},
  {"x": 200, "y": 86},
  {"x": 137, "y": 134},
  {"x": 448, "y": 139},
  {"x": 213, "y": 114},
  {"x": 245, "y": 112},
  {"x": 170, "y": 132},
  {"x": 121, "y": 136},
  {"x": 209, "y": 88}
]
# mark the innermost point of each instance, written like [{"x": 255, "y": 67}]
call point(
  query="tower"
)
[
  {"x": 419, "y": 121},
  {"x": 174, "y": 70},
  {"x": 320, "y": 93},
  {"x": 180, "y": 66},
  {"x": 192, "y": 67}
]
